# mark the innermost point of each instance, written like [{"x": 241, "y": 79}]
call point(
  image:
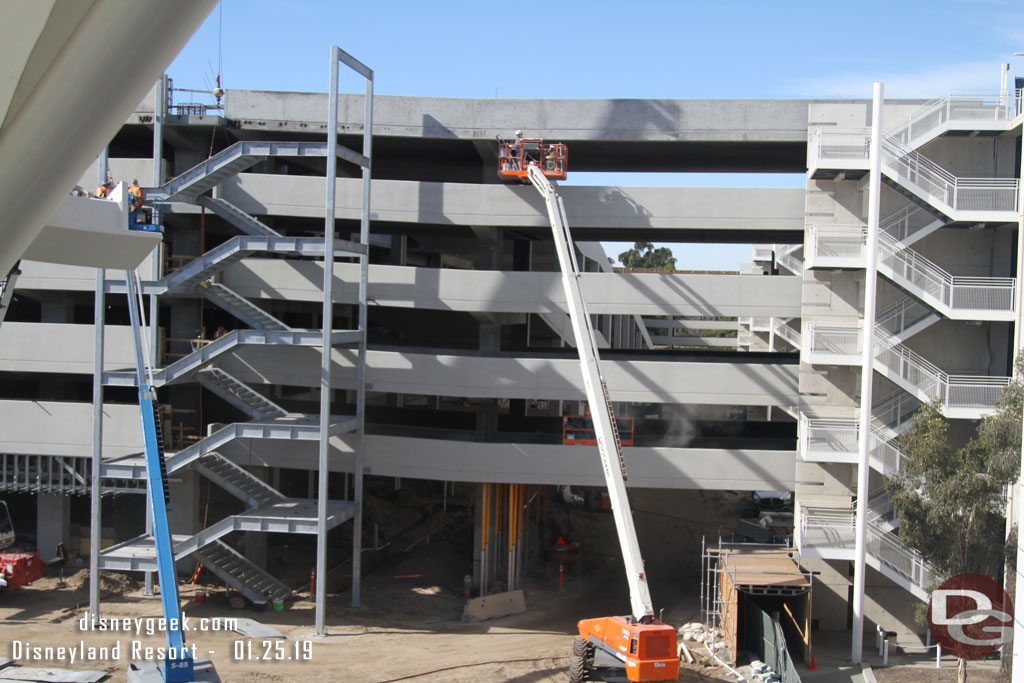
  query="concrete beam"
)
[
  {"x": 553, "y": 377},
  {"x": 472, "y": 119},
  {"x": 595, "y": 213},
  {"x": 442, "y": 460},
  {"x": 524, "y": 292}
]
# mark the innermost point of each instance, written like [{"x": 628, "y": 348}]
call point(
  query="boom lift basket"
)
[{"x": 515, "y": 158}]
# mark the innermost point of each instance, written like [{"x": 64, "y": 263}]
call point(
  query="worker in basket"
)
[{"x": 515, "y": 152}]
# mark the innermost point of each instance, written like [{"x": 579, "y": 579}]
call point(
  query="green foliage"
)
[
  {"x": 644, "y": 255},
  {"x": 951, "y": 499}
]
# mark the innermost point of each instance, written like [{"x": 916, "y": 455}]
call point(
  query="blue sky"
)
[{"x": 675, "y": 49}]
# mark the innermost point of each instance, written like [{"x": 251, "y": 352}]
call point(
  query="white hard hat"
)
[{"x": 519, "y": 132}]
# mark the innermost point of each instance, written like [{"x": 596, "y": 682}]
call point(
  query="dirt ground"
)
[{"x": 409, "y": 627}]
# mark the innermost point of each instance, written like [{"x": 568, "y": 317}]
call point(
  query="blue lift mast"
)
[{"x": 177, "y": 665}]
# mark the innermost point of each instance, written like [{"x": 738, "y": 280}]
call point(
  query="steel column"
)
[
  {"x": 867, "y": 374},
  {"x": 95, "y": 521},
  {"x": 159, "y": 111},
  {"x": 364, "y": 276},
  {"x": 325, "y": 352}
]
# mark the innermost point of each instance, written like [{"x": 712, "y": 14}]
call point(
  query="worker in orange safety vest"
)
[{"x": 135, "y": 193}]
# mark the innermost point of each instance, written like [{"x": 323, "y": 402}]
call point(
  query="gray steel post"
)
[
  {"x": 102, "y": 166},
  {"x": 867, "y": 374},
  {"x": 364, "y": 275},
  {"x": 325, "y": 355},
  {"x": 95, "y": 520},
  {"x": 159, "y": 110}
]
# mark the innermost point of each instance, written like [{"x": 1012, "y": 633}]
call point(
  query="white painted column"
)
[
  {"x": 325, "y": 351},
  {"x": 867, "y": 373},
  {"x": 1017, "y": 668}
]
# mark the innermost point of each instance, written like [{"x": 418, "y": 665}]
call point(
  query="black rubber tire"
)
[
  {"x": 579, "y": 647},
  {"x": 577, "y": 669}
]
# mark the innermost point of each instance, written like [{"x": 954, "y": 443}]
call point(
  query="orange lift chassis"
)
[{"x": 639, "y": 642}]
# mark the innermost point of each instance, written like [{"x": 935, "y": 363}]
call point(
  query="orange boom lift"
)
[{"x": 638, "y": 642}]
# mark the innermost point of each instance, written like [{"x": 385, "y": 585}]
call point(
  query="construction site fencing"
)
[{"x": 766, "y": 638}]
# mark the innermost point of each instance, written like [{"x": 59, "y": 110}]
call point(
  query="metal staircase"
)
[
  {"x": 910, "y": 224},
  {"x": 960, "y": 396},
  {"x": 240, "y": 307},
  {"x": 829, "y": 533},
  {"x": 238, "y": 481},
  {"x": 956, "y": 297},
  {"x": 835, "y": 152},
  {"x": 183, "y": 368},
  {"x": 973, "y": 111},
  {"x": 240, "y": 395},
  {"x": 287, "y": 516},
  {"x": 233, "y": 160},
  {"x": 904, "y": 318},
  {"x": 291, "y": 428},
  {"x": 235, "y": 570},
  {"x": 238, "y": 218}
]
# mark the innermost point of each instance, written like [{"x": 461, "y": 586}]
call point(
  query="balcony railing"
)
[
  {"x": 839, "y": 242},
  {"x": 833, "y": 338},
  {"x": 836, "y": 440},
  {"x": 825, "y": 438},
  {"x": 956, "y": 107},
  {"x": 835, "y": 528}
]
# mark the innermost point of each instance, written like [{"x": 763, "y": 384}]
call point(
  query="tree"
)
[
  {"x": 644, "y": 255},
  {"x": 951, "y": 499}
]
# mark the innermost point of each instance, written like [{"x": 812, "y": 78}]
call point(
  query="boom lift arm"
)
[
  {"x": 641, "y": 643},
  {"x": 178, "y": 665},
  {"x": 597, "y": 395}
]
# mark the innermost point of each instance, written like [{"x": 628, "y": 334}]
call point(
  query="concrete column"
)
[
  {"x": 53, "y": 524},
  {"x": 183, "y": 512},
  {"x": 256, "y": 548},
  {"x": 399, "y": 250},
  {"x": 487, "y": 410}
]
